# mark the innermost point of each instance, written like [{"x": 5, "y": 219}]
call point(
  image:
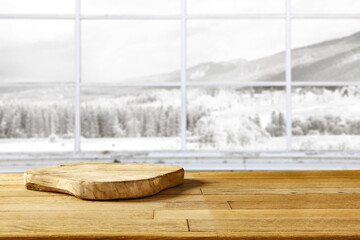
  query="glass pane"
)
[
  {"x": 326, "y": 6},
  {"x": 37, "y": 51},
  {"x": 131, "y": 50},
  {"x": 218, "y": 50},
  {"x": 130, "y": 6},
  {"x": 36, "y": 6},
  {"x": 36, "y": 119},
  {"x": 130, "y": 119},
  {"x": 326, "y": 50},
  {"x": 235, "y": 6},
  {"x": 236, "y": 118},
  {"x": 326, "y": 118}
]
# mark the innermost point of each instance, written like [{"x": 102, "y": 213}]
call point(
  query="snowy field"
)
[
  {"x": 327, "y": 143},
  {"x": 303, "y": 143},
  {"x": 36, "y": 145},
  {"x": 95, "y": 144},
  {"x": 131, "y": 144}
]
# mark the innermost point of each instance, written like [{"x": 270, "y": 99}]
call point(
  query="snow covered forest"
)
[
  {"x": 251, "y": 118},
  {"x": 20, "y": 119}
]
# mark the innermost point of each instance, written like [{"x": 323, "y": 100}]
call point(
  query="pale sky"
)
[
  {"x": 37, "y": 6},
  {"x": 224, "y": 40},
  {"x": 130, "y": 6},
  {"x": 235, "y": 6},
  {"x": 325, "y": 6},
  {"x": 114, "y": 50},
  {"x": 309, "y": 31},
  {"x": 37, "y": 50}
]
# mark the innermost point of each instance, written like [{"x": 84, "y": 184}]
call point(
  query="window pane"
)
[
  {"x": 36, "y": 6},
  {"x": 37, "y": 51},
  {"x": 236, "y": 119},
  {"x": 130, "y": 6},
  {"x": 235, "y": 6},
  {"x": 326, "y": 6},
  {"x": 128, "y": 119},
  {"x": 131, "y": 50},
  {"x": 326, "y": 50},
  {"x": 218, "y": 50},
  {"x": 36, "y": 119},
  {"x": 326, "y": 118}
]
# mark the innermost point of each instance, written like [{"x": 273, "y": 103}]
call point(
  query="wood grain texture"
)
[
  {"x": 104, "y": 181},
  {"x": 270, "y": 224},
  {"x": 257, "y": 214},
  {"x": 238, "y": 205}
]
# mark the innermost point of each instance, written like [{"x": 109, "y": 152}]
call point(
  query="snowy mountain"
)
[{"x": 333, "y": 60}]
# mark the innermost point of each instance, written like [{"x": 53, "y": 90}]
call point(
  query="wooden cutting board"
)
[{"x": 104, "y": 181}]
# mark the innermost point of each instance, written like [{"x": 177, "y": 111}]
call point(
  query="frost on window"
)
[
  {"x": 234, "y": 50},
  {"x": 326, "y": 118},
  {"x": 36, "y": 119},
  {"x": 130, "y": 119},
  {"x": 326, "y": 50},
  {"x": 251, "y": 118}
]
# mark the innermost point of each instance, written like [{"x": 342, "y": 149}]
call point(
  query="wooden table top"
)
[{"x": 233, "y": 205}]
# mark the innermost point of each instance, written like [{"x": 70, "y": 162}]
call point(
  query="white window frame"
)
[{"x": 191, "y": 160}]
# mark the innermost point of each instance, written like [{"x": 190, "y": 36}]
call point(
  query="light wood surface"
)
[
  {"x": 241, "y": 205},
  {"x": 104, "y": 181}
]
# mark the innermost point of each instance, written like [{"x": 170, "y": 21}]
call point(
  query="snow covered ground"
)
[
  {"x": 36, "y": 145},
  {"x": 95, "y": 144},
  {"x": 327, "y": 142},
  {"x": 131, "y": 144},
  {"x": 301, "y": 143}
]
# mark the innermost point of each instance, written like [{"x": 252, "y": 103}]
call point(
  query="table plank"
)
[
  {"x": 256, "y": 213},
  {"x": 285, "y": 183},
  {"x": 182, "y": 235},
  {"x": 278, "y": 225},
  {"x": 188, "y": 188},
  {"x": 94, "y": 225},
  {"x": 257, "y": 191},
  {"x": 74, "y": 215},
  {"x": 275, "y": 174},
  {"x": 294, "y": 201},
  {"x": 68, "y": 203}
]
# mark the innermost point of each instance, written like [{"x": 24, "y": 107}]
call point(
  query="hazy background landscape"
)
[{"x": 148, "y": 118}]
